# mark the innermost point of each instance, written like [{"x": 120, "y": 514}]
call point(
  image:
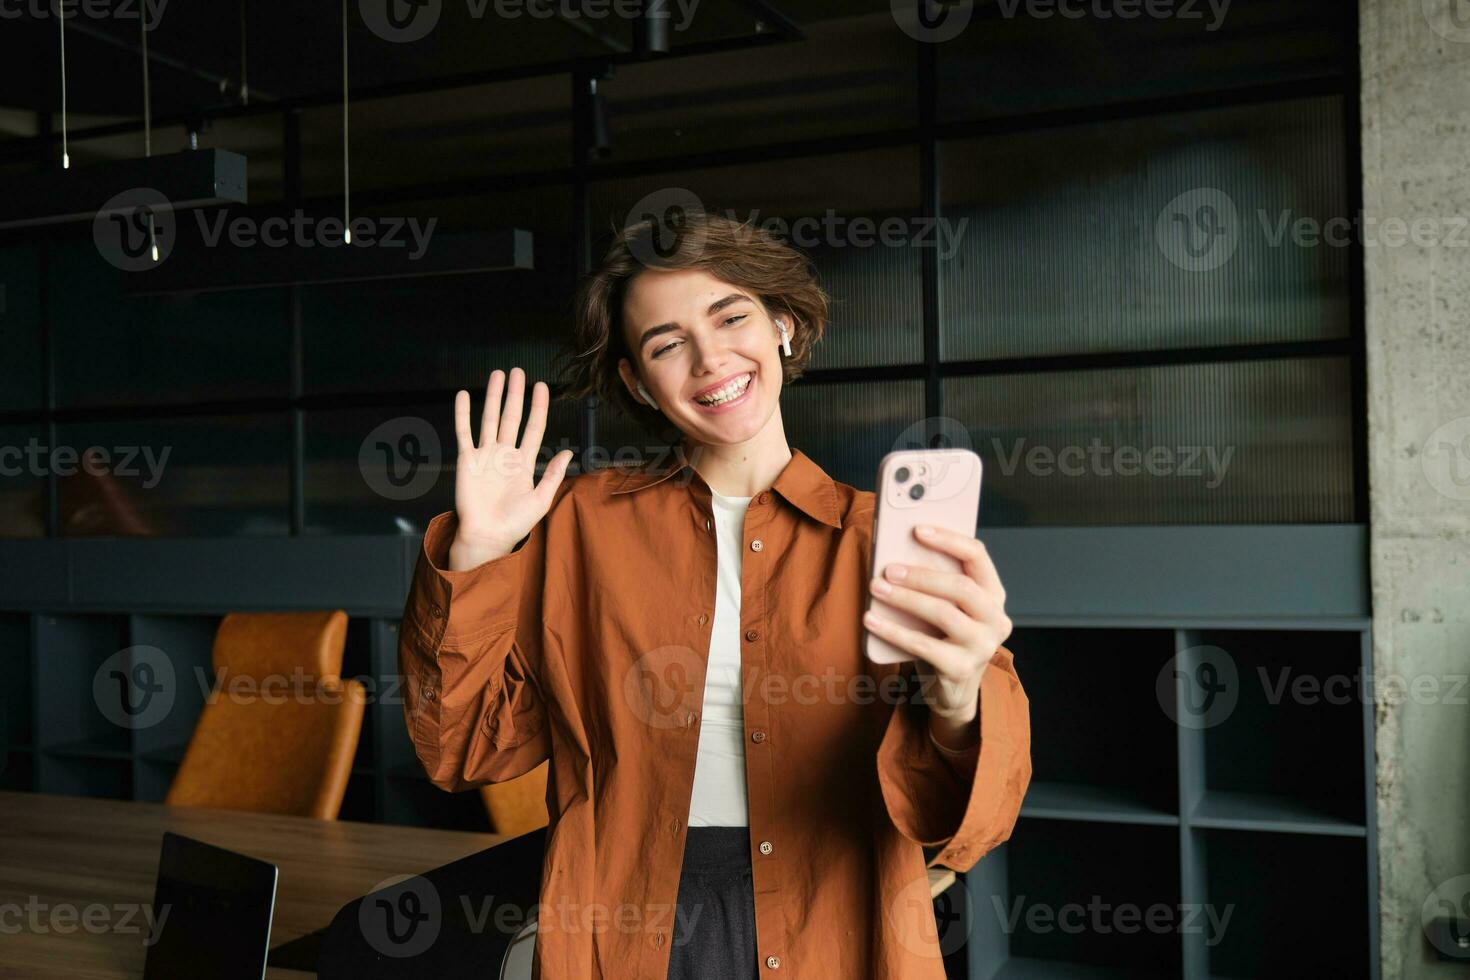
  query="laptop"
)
[
  {"x": 212, "y": 910},
  {"x": 473, "y": 918}
]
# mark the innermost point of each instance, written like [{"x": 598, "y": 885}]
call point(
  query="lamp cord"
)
[
  {"x": 61, "y": 29},
  {"x": 346, "y": 183}
]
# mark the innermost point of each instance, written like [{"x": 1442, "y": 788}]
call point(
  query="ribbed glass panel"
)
[
  {"x": 447, "y": 331},
  {"x": 118, "y": 350},
  {"x": 850, "y": 75},
  {"x": 1176, "y": 231},
  {"x": 1008, "y": 60},
  {"x": 390, "y": 470},
  {"x": 876, "y": 304},
  {"x": 192, "y": 476},
  {"x": 20, "y": 328},
  {"x": 848, "y": 428},
  {"x": 851, "y": 213},
  {"x": 23, "y": 482},
  {"x": 436, "y": 332},
  {"x": 520, "y": 126},
  {"x": 1252, "y": 442},
  {"x": 620, "y": 438}
]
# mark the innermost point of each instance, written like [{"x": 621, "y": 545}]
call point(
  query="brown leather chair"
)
[
  {"x": 280, "y": 729},
  {"x": 518, "y": 806}
]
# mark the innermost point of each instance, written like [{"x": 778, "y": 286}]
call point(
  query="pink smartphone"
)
[{"x": 919, "y": 486}]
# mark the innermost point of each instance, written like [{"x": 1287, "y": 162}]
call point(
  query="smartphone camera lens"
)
[
  {"x": 916, "y": 491},
  {"x": 901, "y": 474}
]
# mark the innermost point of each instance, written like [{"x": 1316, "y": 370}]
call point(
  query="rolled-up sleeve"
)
[
  {"x": 469, "y": 648},
  {"x": 964, "y": 804}
]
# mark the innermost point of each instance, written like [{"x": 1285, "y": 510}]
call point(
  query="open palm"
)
[{"x": 494, "y": 496}]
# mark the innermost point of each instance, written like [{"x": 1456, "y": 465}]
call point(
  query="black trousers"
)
[{"x": 714, "y": 930}]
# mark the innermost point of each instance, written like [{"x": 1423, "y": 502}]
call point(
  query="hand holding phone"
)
[{"x": 919, "y": 486}]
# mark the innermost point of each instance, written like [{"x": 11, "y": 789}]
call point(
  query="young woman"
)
[{"x": 735, "y": 791}]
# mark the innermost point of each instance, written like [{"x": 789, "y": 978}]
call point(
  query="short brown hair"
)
[{"x": 782, "y": 278}]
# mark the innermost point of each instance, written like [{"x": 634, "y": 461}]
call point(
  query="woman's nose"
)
[{"x": 710, "y": 356}]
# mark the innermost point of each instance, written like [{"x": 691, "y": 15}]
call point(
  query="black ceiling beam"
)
[
  {"x": 32, "y": 147},
  {"x": 197, "y": 266},
  {"x": 223, "y": 82},
  {"x": 851, "y": 143},
  {"x": 185, "y": 180}
]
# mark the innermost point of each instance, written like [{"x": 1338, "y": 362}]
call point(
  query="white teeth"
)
[{"x": 730, "y": 392}]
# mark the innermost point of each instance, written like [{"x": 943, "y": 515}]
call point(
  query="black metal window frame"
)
[{"x": 926, "y": 136}]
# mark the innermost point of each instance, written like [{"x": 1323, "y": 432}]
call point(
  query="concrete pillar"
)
[{"x": 1416, "y": 169}]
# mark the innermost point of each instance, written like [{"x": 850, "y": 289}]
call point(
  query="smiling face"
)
[{"x": 706, "y": 351}]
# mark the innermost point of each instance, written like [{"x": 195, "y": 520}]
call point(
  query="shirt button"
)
[
  {"x": 429, "y": 694},
  {"x": 764, "y": 496},
  {"x": 751, "y": 635},
  {"x": 658, "y": 940},
  {"x": 437, "y": 611},
  {"x": 774, "y": 962},
  {"x": 706, "y": 523},
  {"x": 703, "y": 618},
  {"x": 765, "y": 847},
  {"x": 757, "y": 736},
  {"x": 674, "y": 826},
  {"x": 756, "y": 545}
]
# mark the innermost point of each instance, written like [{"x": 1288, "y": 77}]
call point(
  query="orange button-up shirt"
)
[{"x": 588, "y": 644}]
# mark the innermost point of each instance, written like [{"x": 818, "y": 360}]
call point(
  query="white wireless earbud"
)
[
  {"x": 785, "y": 337},
  {"x": 646, "y": 396}
]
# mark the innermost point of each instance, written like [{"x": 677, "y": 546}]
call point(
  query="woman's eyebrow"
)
[{"x": 714, "y": 308}]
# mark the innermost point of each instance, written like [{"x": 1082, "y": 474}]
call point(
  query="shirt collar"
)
[{"x": 802, "y": 483}]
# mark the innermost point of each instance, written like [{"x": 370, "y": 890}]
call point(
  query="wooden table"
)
[{"x": 73, "y": 852}]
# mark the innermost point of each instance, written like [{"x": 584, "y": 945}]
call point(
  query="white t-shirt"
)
[{"x": 719, "y": 798}]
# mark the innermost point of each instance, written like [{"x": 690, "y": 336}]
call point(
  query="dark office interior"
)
[{"x": 1137, "y": 255}]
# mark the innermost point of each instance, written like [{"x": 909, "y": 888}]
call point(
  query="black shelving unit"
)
[{"x": 1247, "y": 832}]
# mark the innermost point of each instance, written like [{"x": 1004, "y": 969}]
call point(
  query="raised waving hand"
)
[{"x": 494, "y": 496}]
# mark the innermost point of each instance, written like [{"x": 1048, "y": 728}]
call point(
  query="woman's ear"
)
[{"x": 630, "y": 381}]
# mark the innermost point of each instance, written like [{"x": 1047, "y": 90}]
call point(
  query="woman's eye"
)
[
  {"x": 738, "y": 316},
  {"x": 662, "y": 349}
]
